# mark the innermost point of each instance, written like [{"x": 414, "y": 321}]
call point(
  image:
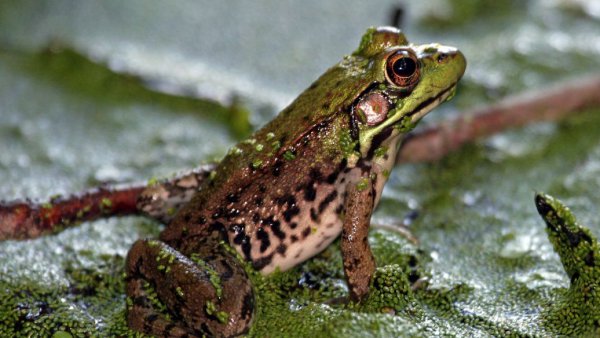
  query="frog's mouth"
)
[{"x": 433, "y": 102}]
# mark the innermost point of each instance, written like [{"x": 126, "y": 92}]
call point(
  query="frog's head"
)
[{"x": 407, "y": 82}]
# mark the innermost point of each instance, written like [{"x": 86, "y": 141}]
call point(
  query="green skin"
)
[{"x": 314, "y": 172}]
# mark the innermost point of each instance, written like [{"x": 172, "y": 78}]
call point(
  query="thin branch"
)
[{"x": 549, "y": 104}]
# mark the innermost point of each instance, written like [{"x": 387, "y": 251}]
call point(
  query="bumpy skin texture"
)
[
  {"x": 191, "y": 287},
  {"x": 283, "y": 195},
  {"x": 579, "y": 251},
  {"x": 359, "y": 263}
]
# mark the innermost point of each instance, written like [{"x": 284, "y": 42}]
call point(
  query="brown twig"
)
[
  {"x": 545, "y": 105},
  {"x": 27, "y": 219}
]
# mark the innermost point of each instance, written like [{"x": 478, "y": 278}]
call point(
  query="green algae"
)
[{"x": 575, "y": 312}]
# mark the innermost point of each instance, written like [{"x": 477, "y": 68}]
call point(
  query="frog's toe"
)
[{"x": 144, "y": 317}]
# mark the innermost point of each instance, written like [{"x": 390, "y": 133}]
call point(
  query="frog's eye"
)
[{"x": 402, "y": 69}]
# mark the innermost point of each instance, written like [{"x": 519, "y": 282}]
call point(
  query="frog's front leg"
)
[
  {"x": 205, "y": 292},
  {"x": 359, "y": 263}
]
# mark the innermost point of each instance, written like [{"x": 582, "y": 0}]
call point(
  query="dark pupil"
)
[{"x": 404, "y": 67}]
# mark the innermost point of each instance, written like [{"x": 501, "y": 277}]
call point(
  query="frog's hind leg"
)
[
  {"x": 163, "y": 198},
  {"x": 203, "y": 296}
]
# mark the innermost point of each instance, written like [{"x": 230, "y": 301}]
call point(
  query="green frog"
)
[{"x": 313, "y": 173}]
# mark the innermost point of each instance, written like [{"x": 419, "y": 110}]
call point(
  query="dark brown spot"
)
[
  {"x": 262, "y": 188},
  {"x": 187, "y": 217},
  {"x": 246, "y": 247},
  {"x": 364, "y": 166},
  {"x": 262, "y": 262},
  {"x": 237, "y": 228},
  {"x": 293, "y": 225},
  {"x": 275, "y": 226},
  {"x": 220, "y": 211},
  {"x": 310, "y": 193},
  {"x": 288, "y": 199},
  {"x": 258, "y": 201},
  {"x": 232, "y": 213},
  {"x": 217, "y": 227},
  {"x": 240, "y": 238},
  {"x": 263, "y": 236},
  {"x": 315, "y": 175},
  {"x": 294, "y": 238},
  {"x": 281, "y": 249},
  {"x": 328, "y": 199},
  {"x": 150, "y": 319},
  {"x": 141, "y": 301},
  {"x": 277, "y": 168},
  {"x": 203, "y": 328},
  {"x": 313, "y": 215},
  {"x": 290, "y": 213},
  {"x": 306, "y": 232},
  {"x": 233, "y": 198},
  {"x": 332, "y": 177},
  {"x": 339, "y": 209}
]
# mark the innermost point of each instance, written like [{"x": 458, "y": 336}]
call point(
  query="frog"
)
[{"x": 311, "y": 175}]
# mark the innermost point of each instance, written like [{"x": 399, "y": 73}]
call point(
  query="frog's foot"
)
[
  {"x": 163, "y": 198},
  {"x": 400, "y": 229},
  {"x": 210, "y": 296}
]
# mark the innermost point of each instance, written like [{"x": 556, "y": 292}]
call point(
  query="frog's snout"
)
[
  {"x": 449, "y": 58},
  {"x": 461, "y": 62},
  {"x": 447, "y": 54}
]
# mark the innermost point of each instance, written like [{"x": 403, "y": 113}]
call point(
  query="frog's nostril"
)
[{"x": 442, "y": 57}]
